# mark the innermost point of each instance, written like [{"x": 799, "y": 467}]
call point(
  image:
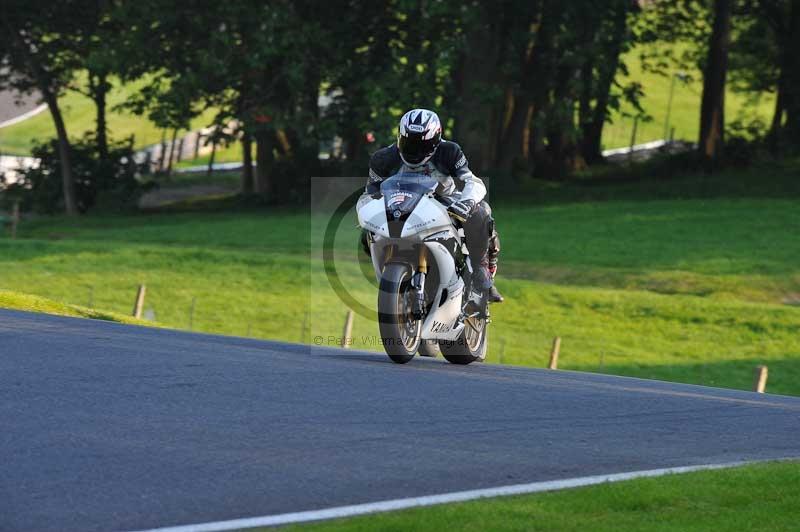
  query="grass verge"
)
[
  {"x": 31, "y": 303},
  {"x": 755, "y": 497}
]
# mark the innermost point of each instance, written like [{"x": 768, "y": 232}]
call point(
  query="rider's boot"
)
[
  {"x": 494, "y": 295},
  {"x": 483, "y": 246},
  {"x": 481, "y": 276}
]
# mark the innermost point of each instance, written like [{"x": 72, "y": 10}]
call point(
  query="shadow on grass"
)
[{"x": 663, "y": 178}]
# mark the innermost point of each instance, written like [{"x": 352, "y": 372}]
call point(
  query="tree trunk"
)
[
  {"x": 538, "y": 125},
  {"x": 64, "y": 149},
  {"x": 585, "y": 115},
  {"x": 476, "y": 116},
  {"x": 712, "y": 117},
  {"x": 171, "y": 152},
  {"x": 592, "y": 126},
  {"x": 354, "y": 149},
  {"x": 791, "y": 67},
  {"x": 163, "y": 154},
  {"x": 214, "y": 142},
  {"x": 247, "y": 158},
  {"x": 265, "y": 158},
  {"x": 98, "y": 87},
  {"x": 534, "y": 78},
  {"x": 773, "y": 137},
  {"x": 563, "y": 156},
  {"x": 511, "y": 147}
]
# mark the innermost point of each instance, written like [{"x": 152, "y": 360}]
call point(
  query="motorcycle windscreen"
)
[{"x": 401, "y": 195}]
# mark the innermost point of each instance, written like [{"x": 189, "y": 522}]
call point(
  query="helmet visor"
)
[{"x": 415, "y": 149}]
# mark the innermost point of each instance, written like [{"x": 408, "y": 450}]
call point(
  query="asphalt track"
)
[
  {"x": 112, "y": 427},
  {"x": 9, "y": 108}
]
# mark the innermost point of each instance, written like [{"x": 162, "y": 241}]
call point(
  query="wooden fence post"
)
[
  {"x": 303, "y": 328},
  {"x": 760, "y": 380},
  {"x": 633, "y": 137},
  {"x": 348, "y": 329},
  {"x": 191, "y": 314},
  {"x": 554, "y": 353},
  {"x": 137, "y": 307}
]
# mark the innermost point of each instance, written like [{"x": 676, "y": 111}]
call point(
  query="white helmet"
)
[{"x": 418, "y": 136}]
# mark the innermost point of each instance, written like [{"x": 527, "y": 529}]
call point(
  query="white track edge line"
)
[
  {"x": 431, "y": 500},
  {"x": 23, "y": 116}
]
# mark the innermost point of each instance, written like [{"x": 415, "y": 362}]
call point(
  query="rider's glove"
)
[{"x": 460, "y": 210}]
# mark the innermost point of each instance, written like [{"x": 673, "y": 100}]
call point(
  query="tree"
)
[
  {"x": 712, "y": 118},
  {"x": 612, "y": 37},
  {"x": 96, "y": 42},
  {"x": 767, "y": 60},
  {"x": 526, "y": 70},
  {"x": 38, "y": 55},
  {"x": 257, "y": 64}
]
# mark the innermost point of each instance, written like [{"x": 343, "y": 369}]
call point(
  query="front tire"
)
[
  {"x": 470, "y": 346},
  {"x": 400, "y": 332}
]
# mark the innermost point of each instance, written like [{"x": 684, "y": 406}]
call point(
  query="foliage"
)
[
  {"x": 745, "y": 142},
  {"x": 112, "y": 179},
  {"x": 527, "y": 87},
  {"x": 38, "y": 53}
]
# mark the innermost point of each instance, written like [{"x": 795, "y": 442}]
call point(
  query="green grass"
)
[
  {"x": 225, "y": 154},
  {"x": 30, "y": 303},
  {"x": 79, "y": 115},
  {"x": 761, "y": 497},
  {"x": 685, "y": 113},
  {"x": 690, "y": 290},
  {"x": 221, "y": 178}
]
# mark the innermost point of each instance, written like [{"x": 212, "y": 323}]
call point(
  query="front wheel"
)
[
  {"x": 400, "y": 331},
  {"x": 470, "y": 346}
]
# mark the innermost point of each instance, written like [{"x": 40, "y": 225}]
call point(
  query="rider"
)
[{"x": 420, "y": 148}]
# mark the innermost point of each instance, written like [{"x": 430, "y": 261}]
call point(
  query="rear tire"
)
[
  {"x": 400, "y": 332},
  {"x": 470, "y": 346}
]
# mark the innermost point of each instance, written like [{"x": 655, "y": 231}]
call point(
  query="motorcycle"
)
[{"x": 424, "y": 273}]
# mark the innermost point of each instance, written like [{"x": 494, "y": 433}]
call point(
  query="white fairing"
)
[
  {"x": 428, "y": 218},
  {"x": 372, "y": 215},
  {"x": 441, "y": 321}
]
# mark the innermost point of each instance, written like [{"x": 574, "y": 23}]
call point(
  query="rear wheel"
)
[
  {"x": 470, "y": 346},
  {"x": 400, "y": 331}
]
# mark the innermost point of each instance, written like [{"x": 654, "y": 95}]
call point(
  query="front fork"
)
[{"x": 418, "y": 282}]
